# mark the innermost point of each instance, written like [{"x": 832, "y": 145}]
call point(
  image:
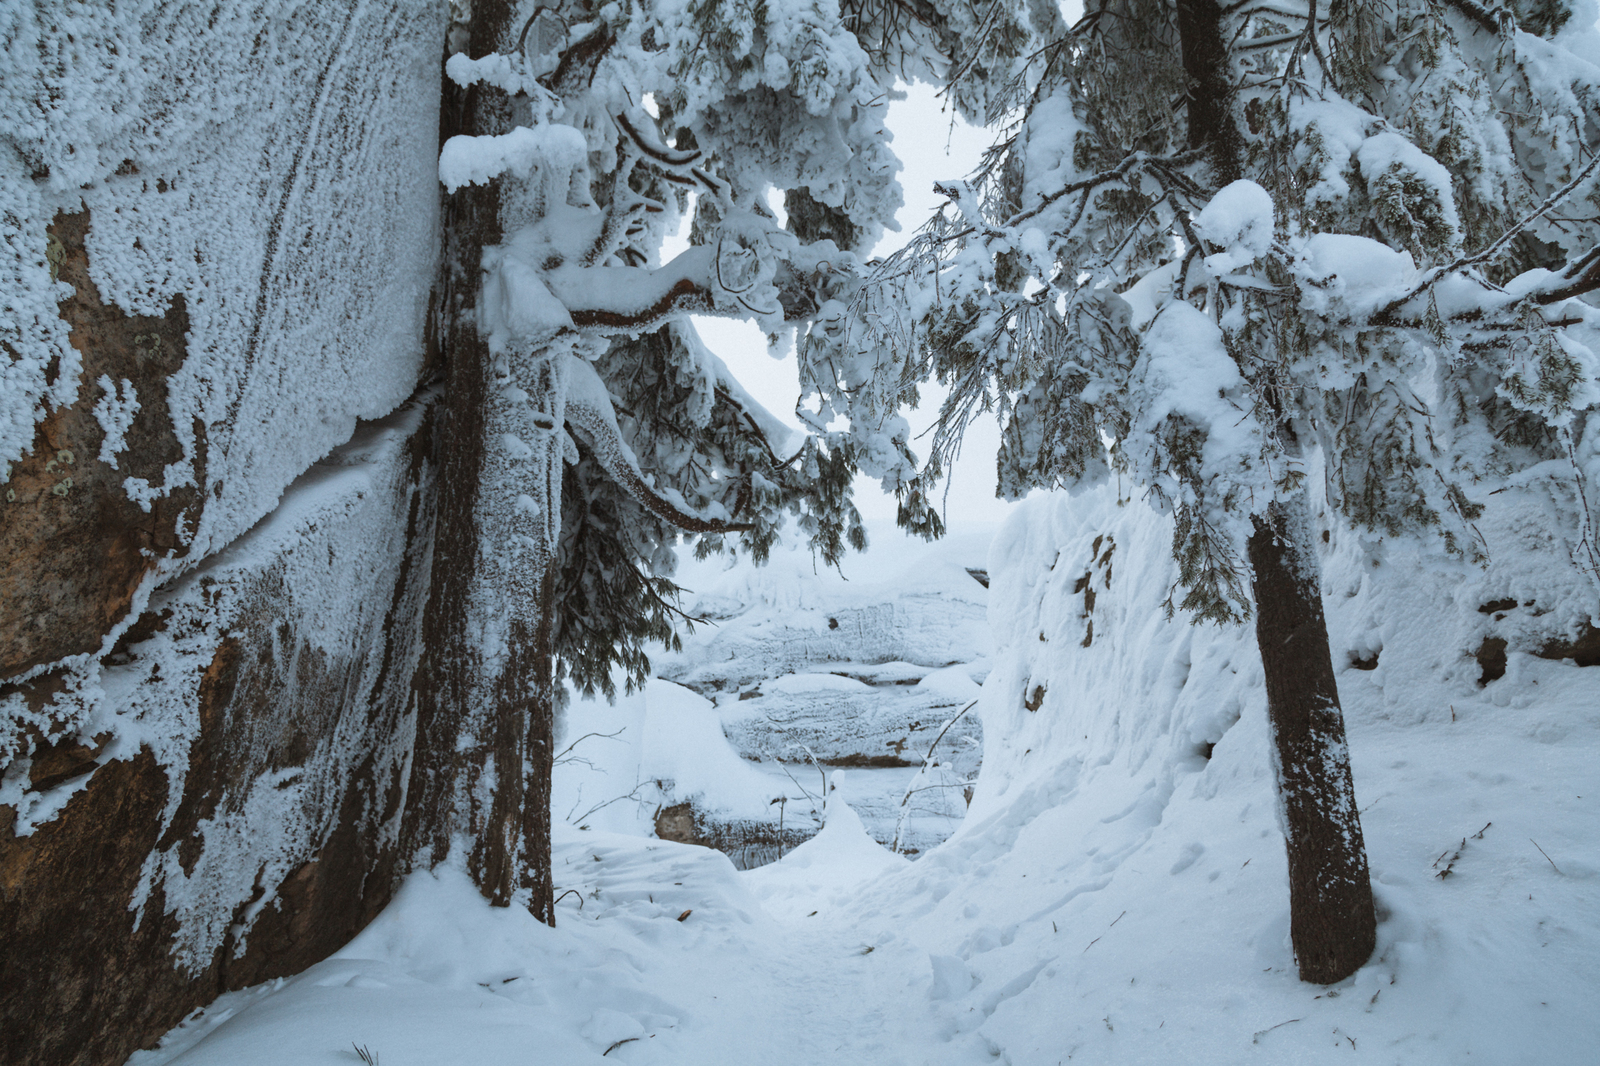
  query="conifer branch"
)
[
  {"x": 1582, "y": 275},
  {"x": 584, "y": 411},
  {"x": 1491, "y": 22},
  {"x": 654, "y": 149},
  {"x": 1495, "y": 248}
]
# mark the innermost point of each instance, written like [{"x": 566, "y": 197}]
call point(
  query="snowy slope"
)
[
  {"x": 1137, "y": 889},
  {"x": 1115, "y": 896}
]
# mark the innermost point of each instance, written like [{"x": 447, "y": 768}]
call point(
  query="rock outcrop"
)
[
  {"x": 219, "y": 239},
  {"x": 230, "y": 808},
  {"x": 797, "y": 673}
]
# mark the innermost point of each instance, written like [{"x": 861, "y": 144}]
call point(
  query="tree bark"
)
[
  {"x": 1210, "y": 96},
  {"x": 1331, "y": 919},
  {"x": 481, "y": 756},
  {"x": 512, "y": 618}
]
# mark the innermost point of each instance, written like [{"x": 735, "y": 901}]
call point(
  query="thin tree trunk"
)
[
  {"x": 537, "y": 878},
  {"x": 513, "y": 620},
  {"x": 1331, "y": 919}
]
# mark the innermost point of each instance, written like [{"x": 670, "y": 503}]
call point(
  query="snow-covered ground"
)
[{"x": 1117, "y": 893}]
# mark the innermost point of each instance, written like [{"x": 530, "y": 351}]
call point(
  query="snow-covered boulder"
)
[
  {"x": 860, "y": 668},
  {"x": 798, "y": 670}
]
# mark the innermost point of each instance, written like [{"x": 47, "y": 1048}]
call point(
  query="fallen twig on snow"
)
[{"x": 1547, "y": 857}]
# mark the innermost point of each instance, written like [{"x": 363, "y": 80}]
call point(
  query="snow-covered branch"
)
[
  {"x": 588, "y": 408},
  {"x": 1498, "y": 246}
]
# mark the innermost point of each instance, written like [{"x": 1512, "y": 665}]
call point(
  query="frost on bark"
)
[
  {"x": 1332, "y": 923},
  {"x": 483, "y": 720}
]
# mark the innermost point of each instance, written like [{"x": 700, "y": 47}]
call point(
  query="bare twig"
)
[
  {"x": 801, "y": 787},
  {"x": 812, "y": 756},
  {"x": 1263, "y": 1032},
  {"x": 1547, "y": 857},
  {"x": 566, "y": 750},
  {"x": 905, "y": 801},
  {"x": 633, "y": 794},
  {"x": 1588, "y": 536}
]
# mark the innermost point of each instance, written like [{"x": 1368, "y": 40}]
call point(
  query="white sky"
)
[{"x": 933, "y": 148}]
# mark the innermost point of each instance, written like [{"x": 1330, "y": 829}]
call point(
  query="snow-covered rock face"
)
[
  {"x": 799, "y": 670},
  {"x": 233, "y": 808},
  {"x": 862, "y": 669},
  {"x": 220, "y": 164},
  {"x": 218, "y": 232},
  {"x": 891, "y": 605}
]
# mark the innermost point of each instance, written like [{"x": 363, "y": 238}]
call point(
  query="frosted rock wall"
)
[
  {"x": 190, "y": 180},
  {"x": 218, "y": 236},
  {"x": 231, "y": 809},
  {"x": 861, "y": 668}
]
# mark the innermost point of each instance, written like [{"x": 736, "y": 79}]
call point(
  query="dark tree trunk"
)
[
  {"x": 1331, "y": 917},
  {"x": 1210, "y": 95},
  {"x": 481, "y": 721},
  {"x": 537, "y": 877}
]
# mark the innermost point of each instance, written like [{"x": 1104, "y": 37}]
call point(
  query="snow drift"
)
[{"x": 1118, "y": 892}]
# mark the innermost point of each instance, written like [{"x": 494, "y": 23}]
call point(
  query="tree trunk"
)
[
  {"x": 518, "y": 529},
  {"x": 1331, "y": 919},
  {"x": 481, "y": 756},
  {"x": 1210, "y": 99}
]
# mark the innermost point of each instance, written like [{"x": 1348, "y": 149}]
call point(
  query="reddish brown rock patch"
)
[{"x": 73, "y": 547}]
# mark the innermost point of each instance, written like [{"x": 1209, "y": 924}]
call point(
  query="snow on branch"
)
[
  {"x": 588, "y": 408},
  {"x": 635, "y": 313},
  {"x": 1499, "y": 246},
  {"x": 479, "y": 160},
  {"x": 506, "y": 73},
  {"x": 1581, "y": 275}
]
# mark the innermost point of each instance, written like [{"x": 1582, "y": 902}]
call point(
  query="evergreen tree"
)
[
  {"x": 585, "y": 427},
  {"x": 1250, "y": 244}
]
